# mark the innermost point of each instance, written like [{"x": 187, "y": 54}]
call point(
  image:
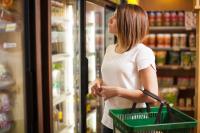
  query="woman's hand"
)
[
  {"x": 96, "y": 87},
  {"x": 109, "y": 91}
]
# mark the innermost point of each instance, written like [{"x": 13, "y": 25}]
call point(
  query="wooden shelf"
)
[
  {"x": 174, "y": 70},
  {"x": 169, "y": 29},
  {"x": 172, "y": 49},
  {"x": 185, "y": 108}
]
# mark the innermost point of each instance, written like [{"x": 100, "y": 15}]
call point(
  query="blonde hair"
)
[{"x": 132, "y": 25}]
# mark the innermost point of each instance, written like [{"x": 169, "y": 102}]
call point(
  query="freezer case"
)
[
  {"x": 12, "y": 67},
  {"x": 65, "y": 66},
  {"x": 94, "y": 53}
]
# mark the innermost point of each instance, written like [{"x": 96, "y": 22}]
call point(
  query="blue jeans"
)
[{"x": 106, "y": 129}]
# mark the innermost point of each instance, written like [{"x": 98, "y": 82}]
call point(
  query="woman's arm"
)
[{"x": 148, "y": 79}]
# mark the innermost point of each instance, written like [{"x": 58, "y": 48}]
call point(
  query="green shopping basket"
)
[{"x": 151, "y": 120}]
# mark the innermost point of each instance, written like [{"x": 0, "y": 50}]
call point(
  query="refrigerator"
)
[
  {"x": 18, "y": 86},
  {"x": 97, "y": 39},
  {"x": 72, "y": 36},
  {"x": 61, "y": 66}
]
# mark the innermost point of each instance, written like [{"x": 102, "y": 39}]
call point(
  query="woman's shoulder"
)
[
  {"x": 110, "y": 47},
  {"x": 144, "y": 49}
]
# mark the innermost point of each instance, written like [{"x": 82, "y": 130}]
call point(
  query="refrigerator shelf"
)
[
  {"x": 59, "y": 19},
  {"x": 65, "y": 129},
  {"x": 59, "y": 57},
  {"x": 61, "y": 98}
]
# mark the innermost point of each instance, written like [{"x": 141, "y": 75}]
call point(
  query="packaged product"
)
[
  {"x": 181, "y": 18},
  {"x": 152, "y": 18},
  {"x": 183, "y": 40},
  {"x": 188, "y": 102},
  {"x": 192, "y": 40},
  {"x": 158, "y": 18},
  {"x": 186, "y": 59},
  {"x": 181, "y": 102},
  {"x": 166, "y": 18},
  {"x": 161, "y": 58},
  {"x": 4, "y": 102},
  {"x": 152, "y": 40},
  {"x": 183, "y": 82},
  {"x": 174, "y": 58},
  {"x": 169, "y": 94},
  {"x": 174, "y": 18},
  {"x": 167, "y": 40},
  {"x": 160, "y": 40},
  {"x": 175, "y": 40}
]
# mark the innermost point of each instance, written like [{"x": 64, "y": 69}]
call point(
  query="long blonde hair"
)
[{"x": 132, "y": 25}]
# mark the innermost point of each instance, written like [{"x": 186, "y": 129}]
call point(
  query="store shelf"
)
[
  {"x": 185, "y": 108},
  {"x": 172, "y": 49},
  {"x": 175, "y": 70},
  {"x": 60, "y": 99},
  {"x": 168, "y": 29},
  {"x": 59, "y": 57}
]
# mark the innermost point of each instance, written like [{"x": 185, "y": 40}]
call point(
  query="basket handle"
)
[
  {"x": 148, "y": 93},
  {"x": 162, "y": 103}
]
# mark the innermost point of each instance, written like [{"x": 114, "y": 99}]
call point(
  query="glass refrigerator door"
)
[
  {"x": 12, "y": 80},
  {"x": 65, "y": 59},
  {"x": 94, "y": 53},
  {"x": 109, "y": 38}
]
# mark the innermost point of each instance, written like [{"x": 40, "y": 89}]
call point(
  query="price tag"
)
[
  {"x": 11, "y": 27},
  {"x": 7, "y": 45}
]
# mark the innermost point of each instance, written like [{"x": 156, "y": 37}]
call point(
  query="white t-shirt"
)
[{"x": 123, "y": 70}]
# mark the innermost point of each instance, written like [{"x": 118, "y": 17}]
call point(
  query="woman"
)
[{"x": 127, "y": 66}]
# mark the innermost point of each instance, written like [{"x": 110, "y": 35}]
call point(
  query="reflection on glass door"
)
[
  {"x": 95, "y": 52},
  {"x": 109, "y": 38},
  {"x": 12, "y": 78},
  {"x": 65, "y": 73}
]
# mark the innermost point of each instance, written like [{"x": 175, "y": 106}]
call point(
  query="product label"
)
[{"x": 7, "y": 45}]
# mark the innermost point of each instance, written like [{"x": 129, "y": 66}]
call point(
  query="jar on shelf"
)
[
  {"x": 183, "y": 39},
  {"x": 158, "y": 18},
  {"x": 192, "y": 40},
  {"x": 152, "y": 18},
  {"x": 181, "y": 18},
  {"x": 152, "y": 40},
  {"x": 160, "y": 40},
  {"x": 166, "y": 18},
  {"x": 181, "y": 102},
  {"x": 167, "y": 40},
  {"x": 175, "y": 40},
  {"x": 174, "y": 18}
]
